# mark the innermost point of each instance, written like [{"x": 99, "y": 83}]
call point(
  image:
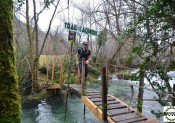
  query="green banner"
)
[{"x": 78, "y": 28}]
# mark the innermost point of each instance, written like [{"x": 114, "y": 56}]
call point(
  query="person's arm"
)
[
  {"x": 77, "y": 62},
  {"x": 77, "y": 55},
  {"x": 89, "y": 58}
]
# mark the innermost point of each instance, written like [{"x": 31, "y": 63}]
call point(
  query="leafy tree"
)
[{"x": 153, "y": 38}]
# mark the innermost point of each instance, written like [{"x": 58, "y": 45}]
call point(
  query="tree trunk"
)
[
  {"x": 70, "y": 63},
  {"x": 36, "y": 62},
  {"x": 140, "y": 94},
  {"x": 35, "y": 76},
  {"x": 33, "y": 56},
  {"x": 31, "y": 46},
  {"x": 36, "y": 30},
  {"x": 9, "y": 97}
]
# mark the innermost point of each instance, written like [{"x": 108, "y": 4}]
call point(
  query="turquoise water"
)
[{"x": 51, "y": 110}]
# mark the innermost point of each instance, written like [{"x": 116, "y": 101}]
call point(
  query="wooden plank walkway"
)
[{"x": 118, "y": 111}]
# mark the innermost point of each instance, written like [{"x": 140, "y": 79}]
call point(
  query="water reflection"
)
[{"x": 44, "y": 113}]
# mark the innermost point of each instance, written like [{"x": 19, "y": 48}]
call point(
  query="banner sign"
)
[{"x": 78, "y": 28}]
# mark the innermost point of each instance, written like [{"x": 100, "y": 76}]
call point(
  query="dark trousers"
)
[{"x": 86, "y": 69}]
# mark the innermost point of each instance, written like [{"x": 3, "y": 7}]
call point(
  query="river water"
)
[{"x": 51, "y": 110}]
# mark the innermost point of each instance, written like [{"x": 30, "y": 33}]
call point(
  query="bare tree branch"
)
[{"x": 50, "y": 23}]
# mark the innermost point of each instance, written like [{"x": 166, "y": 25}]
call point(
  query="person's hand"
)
[
  {"x": 87, "y": 62},
  {"x": 77, "y": 62}
]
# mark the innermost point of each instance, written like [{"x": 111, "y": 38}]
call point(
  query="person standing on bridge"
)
[{"x": 85, "y": 53}]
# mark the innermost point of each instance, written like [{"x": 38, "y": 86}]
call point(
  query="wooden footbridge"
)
[
  {"x": 104, "y": 106},
  {"x": 117, "y": 111}
]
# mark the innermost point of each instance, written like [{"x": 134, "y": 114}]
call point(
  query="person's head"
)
[{"x": 85, "y": 45}]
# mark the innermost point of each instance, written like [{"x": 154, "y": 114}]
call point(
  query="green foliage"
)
[
  {"x": 93, "y": 73},
  {"x": 43, "y": 70},
  {"x": 73, "y": 70},
  {"x": 20, "y": 3},
  {"x": 130, "y": 59},
  {"x": 101, "y": 39},
  {"x": 66, "y": 61},
  {"x": 138, "y": 51},
  {"x": 57, "y": 74},
  {"x": 124, "y": 76},
  {"x": 152, "y": 39},
  {"x": 139, "y": 104},
  {"x": 172, "y": 65},
  {"x": 72, "y": 79},
  {"x": 134, "y": 77},
  {"x": 22, "y": 68},
  {"x": 48, "y": 2}
]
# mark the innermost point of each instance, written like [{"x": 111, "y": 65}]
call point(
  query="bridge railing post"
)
[
  {"x": 47, "y": 74},
  {"x": 173, "y": 99},
  {"x": 104, "y": 95},
  {"x": 78, "y": 76},
  {"x": 83, "y": 75},
  {"x": 61, "y": 72},
  {"x": 107, "y": 77},
  {"x": 53, "y": 67}
]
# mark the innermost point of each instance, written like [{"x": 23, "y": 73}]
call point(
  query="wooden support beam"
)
[
  {"x": 104, "y": 95},
  {"x": 78, "y": 76},
  {"x": 173, "y": 99},
  {"x": 61, "y": 72},
  {"x": 70, "y": 64},
  {"x": 53, "y": 67},
  {"x": 107, "y": 73},
  {"x": 83, "y": 74},
  {"x": 47, "y": 74}
]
